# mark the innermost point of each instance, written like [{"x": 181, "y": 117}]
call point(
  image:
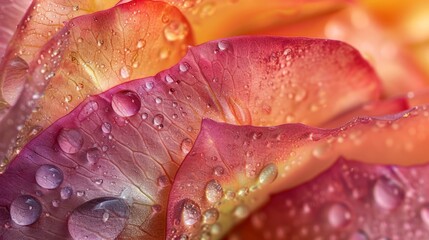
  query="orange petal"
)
[
  {"x": 129, "y": 141},
  {"x": 43, "y": 20},
  {"x": 93, "y": 53},
  {"x": 240, "y": 166}
]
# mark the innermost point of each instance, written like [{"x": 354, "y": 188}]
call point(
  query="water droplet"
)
[
  {"x": 158, "y": 100},
  {"x": 175, "y": 31},
  {"x": 149, "y": 85},
  {"x": 387, "y": 194},
  {"x": 68, "y": 98},
  {"x": 66, "y": 192},
  {"x": 55, "y": 203},
  {"x": 76, "y": 8},
  {"x": 218, "y": 171},
  {"x": 125, "y": 72},
  {"x": 191, "y": 213},
  {"x": 156, "y": 208},
  {"x": 222, "y": 45},
  {"x": 183, "y": 67},
  {"x": 25, "y": 210},
  {"x": 70, "y": 140},
  {"x": 186, "y": 145},
  {"x": 93, "y": 155},
  {"x": 126, "y": 103},
  {"x": 424, "y": 214},
  {"x": 158, "y": 119},
  {"x": 80, "y": 193},
  {"x": 214, "y": 191},
  {"x": 87, "y": 110},
  {"x": 241, "y": 211},
  {"x": 268, "y": 174},
  {"x": 104, "y": 217},
  {"x": 145, "y": 116},
  {"x": 338, "y": 215},
  {"x": 141, "y": 43},
  {"x": 210, "y": 216},
  {"x": 49, "y": 176},
  {"x": 106, "y": 127},
  {"x": 169, "y": 79},
  {"x": 163, "y": 181}
]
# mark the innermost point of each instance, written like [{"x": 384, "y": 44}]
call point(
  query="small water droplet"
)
[
  {"x": 125, "y": 72},
  {"x": 241, "y": 211},
  {"x": 268, "y": 174},
  {"x": 105, "y": 217},
  {"x": 169, "y": 79},
  {"x": 49, "y": 176},
  {"x": 175, "y": 30},
  {"x": 70, "y": 140},
  {"x": 387, "y": 194},
  {"x": 156, "y": 208},
  {"x": 93, "y": 155},
  {"x": 210, "y": 216},
  {"x": 76, "y": 8},
  {"x": 66, "y": 192},
  {"x": 183, "y": 67},
  {"x": 158, "y": 100},
  {"x": 149, "y": 85},
  {"x": 87, "y": 110},
  {"x": 80, "y": 193},
  {"x": 145, "y": 116},
  {"x": 158, "y": 119},
  {"x": 338, "y": 215},
  {"x": 222, "y": 45},
  {"x": 191, "y": 213},
  {"x": 141, "y": 43},
  {"x": 25, "y": 210},
  {"x": 55, "y": 203},
  {"x": 106, "y": 127},
  {"x": 126, "y": 103},
  {"x": 68, "y": 98},
  {"x": 163, "y": 181},
  {"x": 186, "y": 145},
  {"x": 218, "y": 171},
  {"x": 214, "y": 191}
]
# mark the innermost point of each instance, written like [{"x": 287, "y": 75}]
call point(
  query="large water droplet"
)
[
  {"x": 210, "y": 216},
  {"x": 268, "y": 174},
  {"x": 338, "y": 215},
  {"x": 387, "y": 194},
  {"x": 49, "y": 176},
  {"x": 25, "y": 210},
  {"x": 191, "y": 213},
  {"x": 100, "y": 218},
  {"x": 214, "y": 191},
  {"x": 186, "y": 145},
  {"x": 175, "y": 31},
  {"x": 126, "y": 103},
  {"x": 66, "y": 192},
  {"x": 70, "y": 140}
]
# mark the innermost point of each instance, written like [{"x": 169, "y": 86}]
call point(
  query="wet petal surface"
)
[
  {"x": 91, "y": 54},
  {"x": 128, "y": 142},
  {"x": 250, "y": 163}
]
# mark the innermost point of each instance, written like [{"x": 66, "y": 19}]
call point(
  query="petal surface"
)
[
  {"x": 11, "y": 13},
  {"x": 350, "y": 200},
  {"x": 92, "y": 54},
  {"x": 43, "y": 19},
  {"x": 240, "y": 166},
  {"x": 125, "y": 145}
]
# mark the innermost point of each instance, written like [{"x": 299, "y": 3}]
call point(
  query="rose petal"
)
[
  {"x": 240, "y": 166},
  {"x": 43, "y": 19},
  {"x": 11, "y": 13},
  {"x": 350, "y": 200},
  {"x": 91, "y": 54},
  {"x": 129, "y": 141}
]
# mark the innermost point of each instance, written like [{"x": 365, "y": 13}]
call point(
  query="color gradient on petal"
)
[{"x": 127, "y": 143}]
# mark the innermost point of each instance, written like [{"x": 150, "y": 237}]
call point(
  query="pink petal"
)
[
  {"x": 232, "y": 170},
  {"x": 128, "y": 142}
]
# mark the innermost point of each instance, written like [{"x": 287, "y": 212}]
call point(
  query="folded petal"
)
[
  {"x": 240, "y": 166},
  {"x": 91, "y": 54},
  {"x": 43, "y": 20},
  {"x": 106, "y": 168},
  {"x": 11, "y": 13}
]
